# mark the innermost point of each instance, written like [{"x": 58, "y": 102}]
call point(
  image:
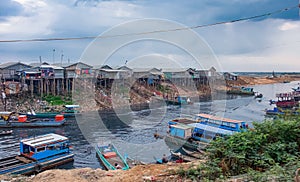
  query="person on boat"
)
[
  {"x": 188, "y": 100},
  {"x": 117, "y": 166},
  {"x": 164, "y": 159}
]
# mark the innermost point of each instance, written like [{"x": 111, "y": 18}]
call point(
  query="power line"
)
[{"x": 151, "y": 32}]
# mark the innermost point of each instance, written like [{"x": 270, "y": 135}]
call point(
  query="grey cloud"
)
[{"x": 10, "y": 8}]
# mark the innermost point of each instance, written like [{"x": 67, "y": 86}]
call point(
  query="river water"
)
[{"x": 132, "y": 132}]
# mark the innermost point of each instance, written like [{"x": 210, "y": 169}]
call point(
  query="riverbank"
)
[
  {"x": 149, "y": 172},
  {"x": 256, "y": 80},
  {"x": 139, "y": 96}
]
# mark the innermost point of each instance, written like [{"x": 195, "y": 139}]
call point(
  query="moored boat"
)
[
  {"x": 223, "y": 123},
  {"x": 180, "y": 100},
  {"x": 110, "y": 157},
  {"x": 38, "y": 154},
  {"x": 181, "y": 135},
  {"x": 22, "y": 121},
  {"x": 241, "y": 91},
  {"x": 69, "y": 112},
  {"x": 274, "y": 111}
]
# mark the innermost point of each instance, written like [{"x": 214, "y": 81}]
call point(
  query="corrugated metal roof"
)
[
  {"x": 208, "y": 116},
  {"x": 8, "y": 64},
  {"x": 173, "y": 70}
]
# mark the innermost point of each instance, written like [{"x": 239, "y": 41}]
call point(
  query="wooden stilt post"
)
[{"x": 31, "y": 86}]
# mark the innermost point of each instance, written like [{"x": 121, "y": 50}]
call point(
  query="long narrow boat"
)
[
  {"x": 241, "y": 91},
  {"x": 38, "y": 154},
  {"x": 110, "y": 157},
  {"x": 69, "y": 112},
  {"x": 194, "y": 154},
  {"x": 224, "y": 123},
  {"x": 22, "y": 121}
]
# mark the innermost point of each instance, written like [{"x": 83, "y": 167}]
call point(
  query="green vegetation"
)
[
  {"x": 58, "y": 100},
  {"x": 269, "y": 151}
]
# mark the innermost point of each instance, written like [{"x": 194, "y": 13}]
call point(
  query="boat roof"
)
[
  {"x": 181, "y": 126},
  {"x": 72, "y": 106},
  {"x": 208, "y": 116},
  {"x": 43, "y": 139},
  {"x": 184, "y": 120},
  {"x": 5, "y": 113},
  {"x": 211, "y": 128}
]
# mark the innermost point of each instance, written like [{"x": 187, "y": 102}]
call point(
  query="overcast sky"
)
[{"x": 263, "y": 44}]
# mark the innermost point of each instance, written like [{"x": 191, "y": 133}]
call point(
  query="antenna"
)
[
  {"x": 53, "y": 55},
  {"x": 62, "y": 57}
]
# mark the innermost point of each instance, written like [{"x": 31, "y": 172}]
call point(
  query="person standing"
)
[{"x": 3, "y": 99}]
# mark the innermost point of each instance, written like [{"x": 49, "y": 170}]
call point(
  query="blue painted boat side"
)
[
  {"x": 38, "y": 123},
  {"x": 38, "y": 153}
]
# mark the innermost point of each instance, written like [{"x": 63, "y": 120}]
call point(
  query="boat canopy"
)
[
  {"x": 211, "y": 117},
  {"x": 211, "y": 129},
  {"x": 43, "y": 140}
]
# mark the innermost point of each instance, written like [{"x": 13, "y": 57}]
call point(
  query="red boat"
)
[
  {"x": 287, "y": 103},
  {"x": 287, "y": 100}
]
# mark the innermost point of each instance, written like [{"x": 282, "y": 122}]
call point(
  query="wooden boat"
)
[
  {"x": 70, "y": 111},
  {"x": 109, "y": 156},
  {"x": 184, "y": 158},
  {"x": 180, "y": 100},
  {"x": 22, "y": 121},
  {"x": 258, "y": 95},
  {"x": 194, "y": 154},
  {"x": 38, "y": 154},
  {"x": 6, "y": 132},
  {"x": 241, "y": 91}
]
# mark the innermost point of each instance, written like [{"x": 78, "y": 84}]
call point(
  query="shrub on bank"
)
[
  {"x": 57, "y": 100},
  {"x": 270, "y": 151}
]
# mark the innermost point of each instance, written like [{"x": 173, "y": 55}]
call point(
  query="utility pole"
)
[
  {"x": 53, "y": 55},
  {"x": 62, "y": 57}
]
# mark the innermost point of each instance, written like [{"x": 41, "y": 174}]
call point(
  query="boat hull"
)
[
  {"x": 38, "y": 166},
  {"x": 16, "y": 124},
  {"x": 51, "y": 115},
  {"x": 178, "y": 142},
  {"x": 108, "y": 163}
]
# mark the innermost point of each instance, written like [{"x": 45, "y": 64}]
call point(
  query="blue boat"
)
[
  {"x": 22, "y": 121},
  {"x": 192, "y": 134},
  {"x": 111, "y": 158},
  {"x": 223, "y": 123},
  {"x": 274, "y": 111},
  {"x": 38, "y": 154},
  {"x": 182, "y": 135}
]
